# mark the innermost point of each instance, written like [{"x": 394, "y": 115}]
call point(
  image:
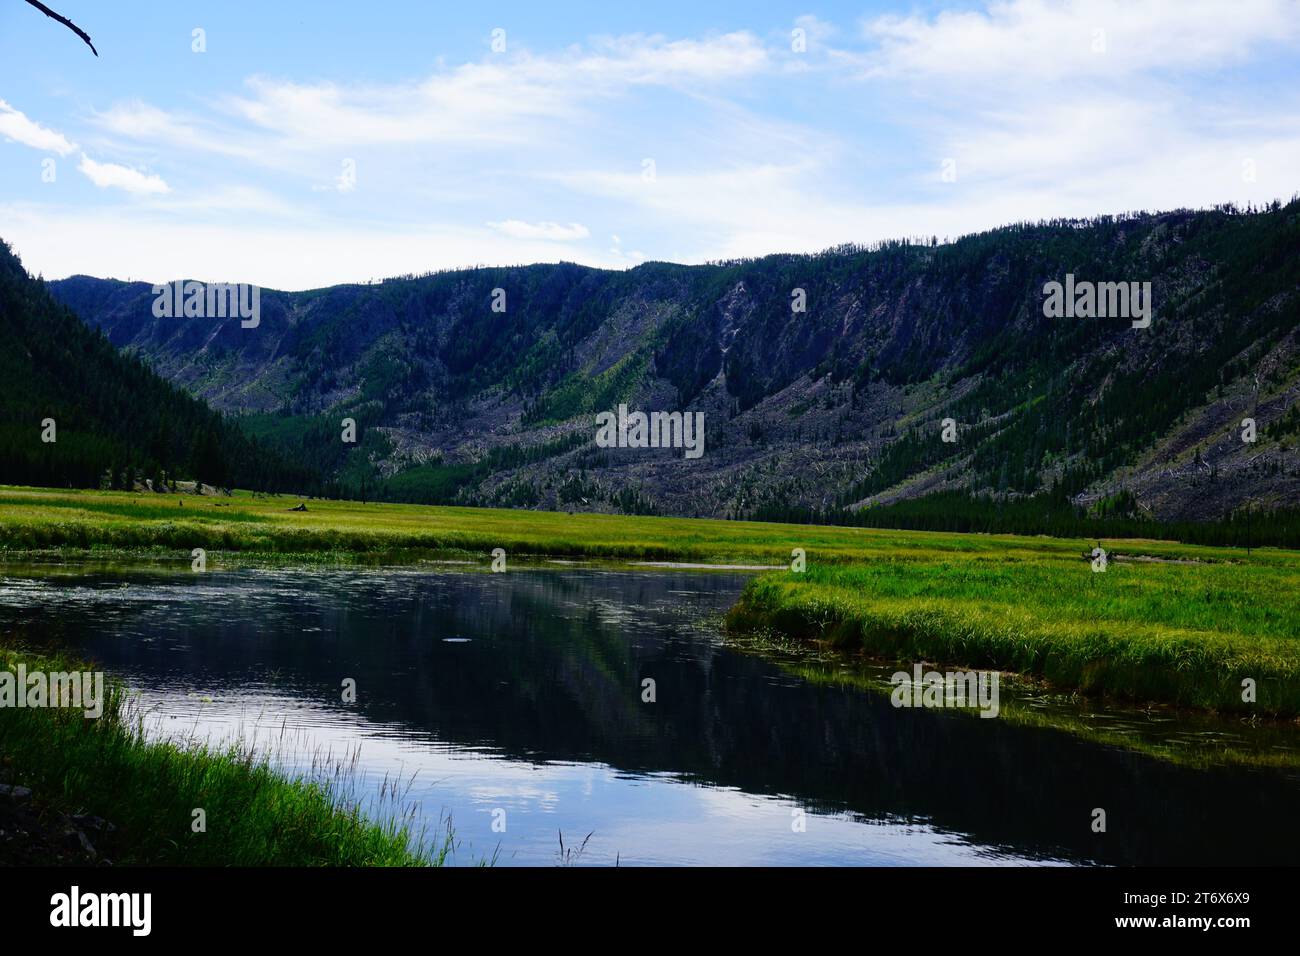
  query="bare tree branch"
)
[{"x": 66, "y": 22}]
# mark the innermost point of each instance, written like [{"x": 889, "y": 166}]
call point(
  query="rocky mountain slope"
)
[{"x": 839, "y": 406}]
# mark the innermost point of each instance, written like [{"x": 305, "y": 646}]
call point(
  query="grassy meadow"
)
[
  {"x": 1165, "y": 622},
  {"x": 33, "y": 519}
]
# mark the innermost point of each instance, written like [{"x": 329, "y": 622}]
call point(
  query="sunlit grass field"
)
[
  {"x": 1165, "y": 622},
  {"x": 34, "y": 519}
]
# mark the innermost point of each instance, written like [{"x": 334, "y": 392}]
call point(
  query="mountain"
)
[
  {"x": 835, "y": 411},
  {"x": 75, "y": 411}
]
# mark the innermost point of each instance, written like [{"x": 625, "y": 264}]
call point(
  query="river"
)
[{"x": 515, "y": 706}]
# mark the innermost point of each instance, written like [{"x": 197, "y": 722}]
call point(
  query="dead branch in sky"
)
[{"x": 66, "y": 22}]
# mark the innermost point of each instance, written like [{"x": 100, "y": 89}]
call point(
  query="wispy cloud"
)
[
  {"x": 1076, "y": 107},
  {"x": 133, "y": 121},
  {"x": 551, "y": 231},
  {"x": 16, "y": 126},
  {"x": 1032, "y": 40},
  {"x": 115, "y": 176},
  {"x": 495, "y": 100}
]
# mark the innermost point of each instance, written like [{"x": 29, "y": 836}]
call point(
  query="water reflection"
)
[{"x": 522, "y": 692}]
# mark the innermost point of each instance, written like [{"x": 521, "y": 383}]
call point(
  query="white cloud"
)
[
  {"x": 495, "y": 101},
  {"x": 140, "y": 120},
  {"x": 16, "y": 126},
  {"x": 1080, "y": 107},
  {"x": 642, "y": 59},
  {"x": 753, "y": 155},
  {"x": 1029, "y": 40},
  {"x": 135, "y": 120},
  {"x": 105, "y": 175},
  {"x": 1079, "y": 162},
  {"x": 552, "y": 231}
]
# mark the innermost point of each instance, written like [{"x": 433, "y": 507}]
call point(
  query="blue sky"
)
[{"x": 318, "y": 143}]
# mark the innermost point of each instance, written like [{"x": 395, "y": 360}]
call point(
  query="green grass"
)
[
  {"x": 35, "y": 519},
  {"x": 1185, "y": 634},
  {"x": 136, "y": 510},
  {"x": 149, "y": 790},
  {"x": 1185, "y": 628}
]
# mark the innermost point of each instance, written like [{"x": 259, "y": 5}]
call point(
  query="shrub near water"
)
[{"x": 150, "y": 790}]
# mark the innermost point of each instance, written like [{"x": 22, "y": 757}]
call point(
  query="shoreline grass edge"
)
[
  {"x": 1093, "y": 658},
  {"x": 149, "y": 789}
]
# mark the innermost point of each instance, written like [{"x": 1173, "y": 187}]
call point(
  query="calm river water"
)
[{"x": 513, "y": 705}]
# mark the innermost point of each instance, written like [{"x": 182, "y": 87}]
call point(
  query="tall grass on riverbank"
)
[
  {"x": 149, "y": 790},
  {"x": 1181, "y": 633}
]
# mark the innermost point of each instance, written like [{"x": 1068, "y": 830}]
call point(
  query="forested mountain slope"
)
[
  {"x": 840, "y": 406},
  {"x": 74, "y": 411}
]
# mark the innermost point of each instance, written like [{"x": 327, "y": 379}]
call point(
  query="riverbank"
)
[
  {"x": 1220, "y": 637},
  {"x": 91, "y": 789},
  {"x": 1155, "y": 621},
  {"x": 1195, "y": 739}
]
